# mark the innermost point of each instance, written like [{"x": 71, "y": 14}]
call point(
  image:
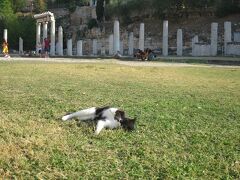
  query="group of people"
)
[
  {"x": 43, "y": 49},
  {"x": 147, "y": 54}
]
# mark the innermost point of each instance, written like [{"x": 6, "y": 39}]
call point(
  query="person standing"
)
[
  {"x": 46, "y": 47},
  {"x": 5, "y": 48},
  {"x": 39, "y": 49}
]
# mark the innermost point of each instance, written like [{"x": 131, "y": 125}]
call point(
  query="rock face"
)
[
  {"x": 75, "y": 27},
  {"x": 82, "y": 15}
]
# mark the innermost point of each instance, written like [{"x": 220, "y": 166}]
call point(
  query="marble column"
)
[
  {"x": 69, "y": 47},
  {"x": 214, "y": 38},
  {"x": 141, "y": 37},
  {"x": 79, "y": 48},
  {"x": 5, "y": 35},
  {"x": 227, "y": 35},
  {"x": 60, "y": 41},
  {"x": 45, "y": 30},
  {"x": 179, "y": 42},
  {"x": 94, "y": 47},
  {"x": 194, "y": 49},
  {"x": 116, "y": 38},
  {"x": 165, "y": 38},
  {"x": 121, "y": 47},
  {"x": 38, "y": 34},
  {"x": 130, "y": 44},
  {"x": 91, "y": 3},
  {"x": 53, "y": 46},
  {"x": 20, "y": 46},
  {"x": 103, "y": 50},
  {"x": 111, "y": 45}
]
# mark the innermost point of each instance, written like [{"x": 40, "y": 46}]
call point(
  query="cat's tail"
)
[{"x": 86, "y": 114}]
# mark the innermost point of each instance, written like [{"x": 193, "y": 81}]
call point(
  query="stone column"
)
[
  {"x": 94, "y": 47},
  {"x": 130, "y": 44},
  {"x": 79, "y": 48},
  {"x": 194, "y": 49},
  {"x": 141, "y": 37},
  {"x": 179, "y": 42},
  {"x": 103, "y": 51},
  {"x": 60, "y": 41},
  {"x": 236, "y": 36},
  {"x": 45, "y": 30},
  {"x": 5, "y": 35},
  {"x": 227, "y": 35},
  {"x": 38, "y": 34},
  {"x": 52, "y": 50},
  {"x": 20, "y": 46},
  {"x": 214, "y": 38},
  {"x": 165, "y": 38},
  {"x": 121, "y": 47},
  {"x": 116, "y": 38},
  {"x": 69, "y": 47},
  {"x": 91, "y": 3},
  {"x": 111, "y": 45}
]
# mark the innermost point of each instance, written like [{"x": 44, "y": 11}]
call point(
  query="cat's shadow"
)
[{"x": 87, "y": 127}]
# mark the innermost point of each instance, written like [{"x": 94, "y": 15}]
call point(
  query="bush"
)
[
  {"x": 225, "y": 8},
  {"x": 92, "y": 23}
]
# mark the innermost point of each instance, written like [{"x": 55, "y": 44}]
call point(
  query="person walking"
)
[{"x": 5, "y": 49}]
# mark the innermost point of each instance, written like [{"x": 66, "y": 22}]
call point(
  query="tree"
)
[
  {"x": 6, "y": 10},
  {"x": 7, "y": 17},
  {"x": 18, "y": 5},
  {"x": 100, "y": 10},
  {"x": 40, "y": 5}
]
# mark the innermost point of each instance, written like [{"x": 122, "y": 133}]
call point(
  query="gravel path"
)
[{"x": 114, "y": 61}]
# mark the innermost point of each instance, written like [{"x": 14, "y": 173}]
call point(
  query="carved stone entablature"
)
[{"x": 44, "y": 17}]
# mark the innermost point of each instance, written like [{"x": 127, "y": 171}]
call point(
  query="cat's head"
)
[{"x": 127, "y": 123}]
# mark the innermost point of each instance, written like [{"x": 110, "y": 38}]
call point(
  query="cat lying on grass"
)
[{"x": 106, "y": 117}]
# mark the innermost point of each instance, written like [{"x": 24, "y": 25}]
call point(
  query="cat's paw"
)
[{"x": 65, "y": 118}]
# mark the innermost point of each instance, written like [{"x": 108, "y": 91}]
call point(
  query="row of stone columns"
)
[
  {"x": 115, "y": 45},
  {"x": 203, "y": 49}
]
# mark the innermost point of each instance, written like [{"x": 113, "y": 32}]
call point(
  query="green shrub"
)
[
  {"x": 225, "y": 8},
  {"x": 92, "y": 23}
]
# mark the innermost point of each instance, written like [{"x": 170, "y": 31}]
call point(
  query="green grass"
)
[{"x": 188, "y": 122}]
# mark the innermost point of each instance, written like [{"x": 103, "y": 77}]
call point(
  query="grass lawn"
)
[{"x": 188, "y": 122}]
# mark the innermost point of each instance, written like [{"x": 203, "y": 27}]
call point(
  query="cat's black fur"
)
[{"x": 106, "y": 117}]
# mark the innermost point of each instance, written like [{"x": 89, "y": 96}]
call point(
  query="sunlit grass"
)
[{"x": 188, "y": 121}]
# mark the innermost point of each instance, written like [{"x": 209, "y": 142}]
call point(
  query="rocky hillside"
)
[{"x": 76, "y": 27}]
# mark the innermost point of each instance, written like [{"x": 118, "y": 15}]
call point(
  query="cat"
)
[{"x": 106, "y": 117}]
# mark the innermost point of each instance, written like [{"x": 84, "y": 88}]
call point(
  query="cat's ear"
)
[
  {"x": 134, "y": 119},
  {"x": 119, "y": 115}
]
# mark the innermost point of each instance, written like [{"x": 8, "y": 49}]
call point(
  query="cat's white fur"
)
[{"x": 108, "y": 120}]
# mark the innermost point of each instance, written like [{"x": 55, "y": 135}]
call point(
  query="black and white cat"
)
[{"x": 106, "y": 117}]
